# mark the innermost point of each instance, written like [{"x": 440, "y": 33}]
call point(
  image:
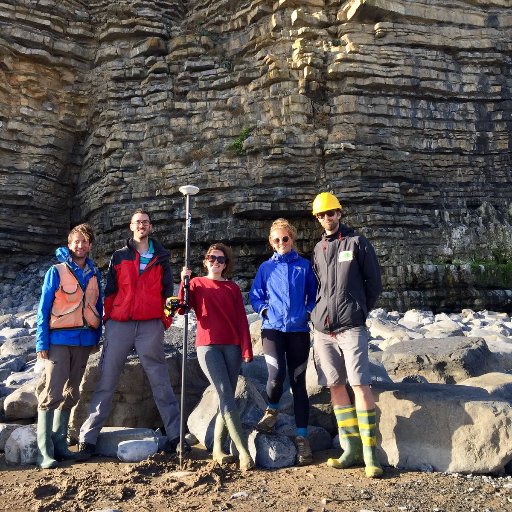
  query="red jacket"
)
[
  {"x": 220, "y": 313},
  {"x": 133, "y": 296}
]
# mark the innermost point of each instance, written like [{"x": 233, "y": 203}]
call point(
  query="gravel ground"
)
[{"x": 159, "y": 484}]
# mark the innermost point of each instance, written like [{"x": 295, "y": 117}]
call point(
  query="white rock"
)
[
  {"x": 6, "y": 429},
  {"x": 22, "y": 403},
  {"x": 12, "y": 332},
  {"x": 419, "y": 316},
  {"x": 21, "y": 446},
  {"x": 137, "y": 449}
]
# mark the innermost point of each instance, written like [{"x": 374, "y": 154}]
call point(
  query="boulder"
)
[
  {"x": 6, "y": 429},
  {"x": 22, "y": 403},
  {"x": 418, "y": 316},
  {"x": 110, "y": 438},
  {"x": 23, "y": 346},
  {"x": 12, "y": 332},
  {"x": 453, "y": 428},
  {"x": 17, "y": 379},
  {"x": 496, "y": 384},
  {"x": 136, "y": 450},
  {"x": 6, "y": 321},
  {"x": 500, "y": 346},
  {"x": 21, "y": 446},
  {"x": 443, "y": 328},
  {"x": 384, "y": 329},
  {"x": 271, "y": 451},
  {"x": 10, "y": 364},
  {"x": 442, "y": 360}
]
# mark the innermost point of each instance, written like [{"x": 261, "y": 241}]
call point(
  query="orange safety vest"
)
[{"x": 72, "y": 308}]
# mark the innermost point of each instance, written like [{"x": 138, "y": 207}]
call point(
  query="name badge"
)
[{"x": 345, "y": 256}]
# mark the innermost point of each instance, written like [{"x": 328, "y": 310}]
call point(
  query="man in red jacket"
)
[{"x": 138, "y": 281}]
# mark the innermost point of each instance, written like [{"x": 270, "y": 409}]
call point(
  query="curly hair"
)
[
  {"x": 83, "y": 229},
  {"x": 283, "y": 224},
  {"x": 228, "y": 253}
]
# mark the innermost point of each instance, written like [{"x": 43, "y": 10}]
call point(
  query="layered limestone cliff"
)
[{"x": 402, "y": 108}]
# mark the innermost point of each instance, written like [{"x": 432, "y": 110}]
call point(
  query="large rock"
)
[
  {"x": 443, "y": 360},
  {"x": 23, "y": 346},
  {"x": 21, "y": 446},
  {"x": 6, "y": 429},
  {"x": 496, "y": 384},
  {"x": 110, "y": 438},
  {"x": 136, "y": 450},
  {"x": 22, "y": 403},
  {"x": 12, "y": 332},
  {"x": 271, "y": 452},
  {"x": 10, "y": 364},
  {"x": 499, "y": 345},
  {"x": 384, "y": 329},
  {"x": 452, "y": 428}
]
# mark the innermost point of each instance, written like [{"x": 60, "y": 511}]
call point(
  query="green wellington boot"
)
[
  {"x": 350, "y": 440},
  {"x": 219, "y": 437},
  {"x": 236, "y": 432},
  {"x": 60, "y": 435},
  {"x": 45, "y": 457},
  {"x": 368, "y": 427}
]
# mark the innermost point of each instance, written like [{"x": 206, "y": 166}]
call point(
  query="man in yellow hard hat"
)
[{"x": 349, "y": 284}]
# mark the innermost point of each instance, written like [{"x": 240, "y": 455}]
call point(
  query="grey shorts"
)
[{"x": 342, "y": 357}]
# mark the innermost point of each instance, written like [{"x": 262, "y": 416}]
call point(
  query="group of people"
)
[{"x": 334, "y": 292}]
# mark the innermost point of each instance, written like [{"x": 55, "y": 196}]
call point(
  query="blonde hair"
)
[
  {"x": 283, "y": 224},
  {"x": 83, "y": 229}
]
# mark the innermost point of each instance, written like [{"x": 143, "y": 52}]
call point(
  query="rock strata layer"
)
[{"x": 403, "y": 109}]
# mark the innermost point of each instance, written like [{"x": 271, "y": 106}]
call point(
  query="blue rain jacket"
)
[
  {"x": 285, "y": 285},
  {"x": 82, "y": 337}
]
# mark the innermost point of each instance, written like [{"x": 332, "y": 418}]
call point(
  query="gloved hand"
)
[{"x": 172, "y": 305}]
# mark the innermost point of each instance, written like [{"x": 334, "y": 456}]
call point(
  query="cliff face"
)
[{"x": 402, "y": 108}]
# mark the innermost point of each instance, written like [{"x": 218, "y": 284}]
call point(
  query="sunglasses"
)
[
  {"x": 329, "y": 213},
  {"x": 212, "y": 259},
  {"x": 284, "y": 240}
]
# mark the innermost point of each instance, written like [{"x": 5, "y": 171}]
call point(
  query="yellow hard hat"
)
[{"x": 325, "y": 201}]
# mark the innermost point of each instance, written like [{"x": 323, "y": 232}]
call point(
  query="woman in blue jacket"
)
[{"x": 283, "y": 294}]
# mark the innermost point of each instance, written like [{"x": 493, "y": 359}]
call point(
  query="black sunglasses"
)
[
  {"x": 212, "y": 259},
  {"x": 284, "y": 240},
  {"x": 329, "y": 213}
]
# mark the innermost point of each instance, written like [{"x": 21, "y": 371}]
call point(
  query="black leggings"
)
[{"x": 290, "y": 349}]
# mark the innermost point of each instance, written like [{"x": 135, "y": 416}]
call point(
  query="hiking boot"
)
[
  {"x": 85, "y": 451},
  {"x": 172, "y": 446},
  {"x": 268, "y": 420},
  {"x": 304, "y": 454}
]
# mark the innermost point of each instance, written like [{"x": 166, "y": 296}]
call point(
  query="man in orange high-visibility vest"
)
[{"x": 68, "y": 328}]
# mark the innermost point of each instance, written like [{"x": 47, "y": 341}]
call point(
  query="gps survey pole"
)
[{"x": 187, "y": 191}]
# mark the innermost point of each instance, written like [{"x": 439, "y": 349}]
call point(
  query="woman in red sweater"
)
[{"x": 223, "y": 341}]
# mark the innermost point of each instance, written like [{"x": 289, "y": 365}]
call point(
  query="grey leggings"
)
[{"x": 221, "y": 364}]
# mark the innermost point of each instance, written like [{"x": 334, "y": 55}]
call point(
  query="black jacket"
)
[{"x": 349, "y": 281}]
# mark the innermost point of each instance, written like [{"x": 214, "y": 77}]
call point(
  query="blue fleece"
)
[
  {"x": 82, "y": 337},
  {"x": 285, "y": 285}
]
